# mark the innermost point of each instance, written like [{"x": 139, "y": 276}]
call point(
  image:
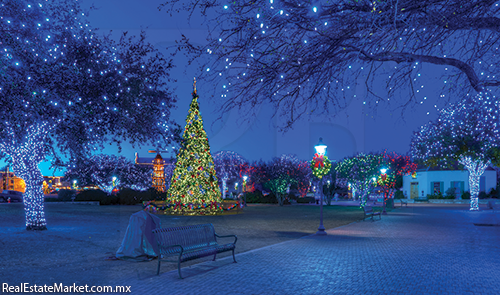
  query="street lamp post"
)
[
  {"x": 321, "y": 151},
  {"x": 243, "y": 188},
  {"x": 383, "y": 177}
]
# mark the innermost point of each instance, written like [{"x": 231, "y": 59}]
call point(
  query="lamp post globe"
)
[{"x": 320, "y": 147}]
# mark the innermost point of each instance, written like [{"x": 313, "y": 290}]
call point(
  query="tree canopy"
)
[
  {"x": 100, "y": 170},
  {"x": 85, "y": 88},
  {"x": 466, "y": 132},
  {"x": 306, "y": 57},
  {"x": 65, "y": 91}
]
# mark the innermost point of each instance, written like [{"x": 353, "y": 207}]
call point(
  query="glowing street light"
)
[{"x": 321, "y": 151}]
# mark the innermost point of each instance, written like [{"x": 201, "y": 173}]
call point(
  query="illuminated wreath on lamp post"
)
[{"x": 320, "y": 165}]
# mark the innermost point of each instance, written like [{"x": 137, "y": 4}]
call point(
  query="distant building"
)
[
  {"x": 159, "y": 166},
  {"x": 429, "y": 182},
  {"x": 11, "y": 182}
]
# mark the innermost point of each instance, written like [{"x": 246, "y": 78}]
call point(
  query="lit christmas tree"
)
[
  {"x": 467, "y": 132},
  {"x": 193, "y": 187},
  {"x": 65, "y": 91}
]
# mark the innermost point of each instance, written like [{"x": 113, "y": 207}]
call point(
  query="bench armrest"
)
[{"x": 229, "y": 236}]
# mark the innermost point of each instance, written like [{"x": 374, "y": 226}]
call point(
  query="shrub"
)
[
  {"x": 450, "y": 193},
  {"x": 258, "y": 197},
  {"x": 482, "y": 195},
  {"x": 306, "y": 200},
  {"x": 96, "y": 196},
  {"x": 435, "y": 196},
  {"x": 493, "y": 193},
  {"x": 399, "y": 195},
  {"x": 129, "y": 196},
  {"x": 65, "y": 195},
  {"x": 466, "y": 195}
]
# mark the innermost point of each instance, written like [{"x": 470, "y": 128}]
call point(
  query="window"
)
[
  {"x": 436, "y": 188},
  {"x": 459, "y": 187}
]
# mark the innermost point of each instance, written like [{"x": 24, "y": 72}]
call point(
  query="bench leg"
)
[
  {"x": 214, "y": 256},
  {"x": 179, "y": 267},
  {"x": 234, "y": 257},
  {"x": 159, "y": 261}
]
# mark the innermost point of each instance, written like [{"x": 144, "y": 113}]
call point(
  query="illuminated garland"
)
[
  {"x": 189, "y": 209},
  {"x": 320, "y": 165}
]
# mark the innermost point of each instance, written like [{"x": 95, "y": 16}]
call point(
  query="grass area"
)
[{"x": 80, "y": 238}]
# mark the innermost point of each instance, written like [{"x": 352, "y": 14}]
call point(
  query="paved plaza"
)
[{"x": 421, "y": 249}]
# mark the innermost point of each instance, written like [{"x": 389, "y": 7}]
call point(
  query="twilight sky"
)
[{"x": 356, "y": 129}]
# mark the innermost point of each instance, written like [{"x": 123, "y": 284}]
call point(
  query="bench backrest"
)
[
  {"x": 368, "y": 209},
  {"x": 189, "y": 237}
]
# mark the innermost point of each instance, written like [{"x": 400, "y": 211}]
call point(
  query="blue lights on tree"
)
[
  {"x": 65, "y": 91},
  {"x": 466, "y": 132}
]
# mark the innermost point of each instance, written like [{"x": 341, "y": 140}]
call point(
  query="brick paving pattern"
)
[{"x": 413, "y": 250}]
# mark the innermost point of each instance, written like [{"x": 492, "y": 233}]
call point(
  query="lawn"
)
[{"x": 80, "y": 238}]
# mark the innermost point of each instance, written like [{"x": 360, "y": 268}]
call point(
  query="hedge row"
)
[{"x": 124, "y": 197}]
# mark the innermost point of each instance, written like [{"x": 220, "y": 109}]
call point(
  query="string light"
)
[
  {"x": 193, "y": 186},
  {"x": 467, "y": 133},
  {"x": 58, "y": 58}
]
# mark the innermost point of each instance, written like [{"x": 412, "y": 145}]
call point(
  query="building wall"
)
[{"x": 425, "y": 180}]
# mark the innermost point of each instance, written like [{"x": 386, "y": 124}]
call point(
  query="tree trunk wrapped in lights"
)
[
  {"x": 26, "y": 156},
  {"x": 466, "y": 133},
  {"x": 476, "y": 169},
  {"x": 193, "y": 188}
]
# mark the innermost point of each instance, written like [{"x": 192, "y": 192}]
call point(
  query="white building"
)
[{"x": 427, "y": 182}]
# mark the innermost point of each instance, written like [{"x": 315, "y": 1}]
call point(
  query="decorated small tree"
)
[
  {"x": 228, "y": 165},
  {"x": 109, "y": 172},
  {"x": 193, "y": 187},
  {"x": 281, "y": 173},
  {"x": 467, "y": 132},
  {"x": 359, "y": 171}
]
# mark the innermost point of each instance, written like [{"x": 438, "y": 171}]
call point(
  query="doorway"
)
[{"x": 414, "y": 190}]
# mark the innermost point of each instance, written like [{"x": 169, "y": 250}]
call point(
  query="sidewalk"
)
[{"x": 414, "y": 250}]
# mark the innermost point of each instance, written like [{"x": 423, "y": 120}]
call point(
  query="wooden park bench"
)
[
  {"x": 190, "y": 242},
  {"x": 403, "y": 203},
  {"x": 368, "y": 210}
]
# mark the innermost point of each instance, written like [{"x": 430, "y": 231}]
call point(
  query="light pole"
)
[
  {"x": 321, "y": 151},
  {"x": 383, "y": 177},
  {"x": 243, "y": 188}
]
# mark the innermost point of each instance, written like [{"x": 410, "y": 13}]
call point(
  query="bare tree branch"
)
[{"x": 307, "y": 58}]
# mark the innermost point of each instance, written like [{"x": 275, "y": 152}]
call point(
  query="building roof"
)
[
  {"x": 422, "y": 169},
  {"x": 149, "y": 160}
]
